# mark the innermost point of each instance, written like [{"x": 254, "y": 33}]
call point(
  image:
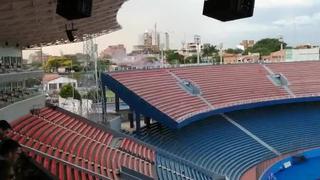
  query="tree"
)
[
  {"x": 191, "y": 59},
  {"x": 103, "y": 64},
  {"x": 266, "y": 46},
  {"x": 92, "y": 95},
  {"x": 234, "y": 51},
  {"x": 55, "y": 62},
  {"x": 174, "y": 57},
  {"x": 209, "y": 50},
  {"x": 151, "y": 59},
  {"x": 36, "y": 64},
  {"x": 68, "y": 91}
]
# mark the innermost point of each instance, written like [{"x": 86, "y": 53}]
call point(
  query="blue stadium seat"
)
[
  {"x": 213, "y": 144},
  {"x": 168, "y": 168},
  {"x": 286, "y": 128}
]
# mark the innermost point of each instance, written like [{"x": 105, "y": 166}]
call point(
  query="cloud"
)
[
  {"x": 284, "y": 3},
  {"x": 299, "y": 20}
]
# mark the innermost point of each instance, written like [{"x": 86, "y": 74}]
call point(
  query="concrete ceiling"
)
[{"x": 30, "y": 23}]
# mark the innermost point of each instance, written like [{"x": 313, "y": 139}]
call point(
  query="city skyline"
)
[{"x": 296, "y": 20}]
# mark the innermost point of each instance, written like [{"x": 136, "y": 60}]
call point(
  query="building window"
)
[{"x": 52, "y": 86}]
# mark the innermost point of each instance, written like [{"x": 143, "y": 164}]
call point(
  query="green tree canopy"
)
[
  {"x": 55, "y": 62},
  {"x": 191, "y": 59},
  {"x": 174, "y": 57},
  {"x": 234, "y": 51},
  {"x": 92, "y": 95},
  {"x": 266, "y": 46},
  {"x": 68, "y": 91},
  {"x": 209, "y": 50},
  {"x": 103, "y": 64}
]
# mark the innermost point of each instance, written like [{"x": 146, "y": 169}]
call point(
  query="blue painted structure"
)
[
  {"x": 168, "y": 168},
  {"x": 284, "y": 127},
  {"x": 138, "y": 104},
  {"x": 135, "y": 102},
  {"x": 220, "y": 147},
  {"x": 302, "y": 171},
  {"x": 213, "y": 144}
]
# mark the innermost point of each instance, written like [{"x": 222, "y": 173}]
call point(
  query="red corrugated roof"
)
[{"x": 50, "y": 77}]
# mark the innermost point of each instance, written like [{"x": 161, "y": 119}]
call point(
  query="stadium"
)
[{"x": 199, "y": 122}]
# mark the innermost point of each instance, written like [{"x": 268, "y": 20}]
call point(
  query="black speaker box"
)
[
  {"x": 228, "y": 10},
  {"x": 74, "y": 9}
]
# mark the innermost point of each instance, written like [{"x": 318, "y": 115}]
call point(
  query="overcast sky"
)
[{"x": 298, "y": 21}]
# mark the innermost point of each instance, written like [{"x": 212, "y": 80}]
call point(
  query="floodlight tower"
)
[{"x": 90, "y": 48}]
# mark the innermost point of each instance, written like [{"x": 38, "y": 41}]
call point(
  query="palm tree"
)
[{"x": 209, "y": 50}]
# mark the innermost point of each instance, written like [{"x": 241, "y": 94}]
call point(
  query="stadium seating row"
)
[
  {"x": 168, "y": 168},
  {"x": 228, "y": 84},
  {"x": 138, "y": 150},
  {"x": 63, "y": 136},
  {"x": 303, "y": 77},
  {"x": 160, "y": 89},
  {"x": 13, "y": 95},
  {"x": 286, "y": 128},
  {"x": 8, "y": 64},
  {"x": 213, "y": 144},
  {"x": 220, "y": 86}
]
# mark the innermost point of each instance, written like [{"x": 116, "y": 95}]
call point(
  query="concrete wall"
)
[
  {"x": 18, "y": 109},
  {"x": 10, "y": 51},
  {"x": 312, "y": 54}
]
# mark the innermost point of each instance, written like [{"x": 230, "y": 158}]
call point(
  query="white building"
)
[
  {"x": 190, "y": 49},
  {"x": 54, "y": 82},
  {"x": 83, "y": 108},
  {"x": 312, "y": 54}
]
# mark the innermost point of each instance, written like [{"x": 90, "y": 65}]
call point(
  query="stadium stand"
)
[
  {"x": 160, "y": 89},
  {"x": 303, "y": 77},
  {"x": 287, "y": 128},
  {"x": 8, "y": 96},
  {"x": 8, "y": 64},
  {"x": 229, "y": 84},
  {"x": 221, "y": 147},
  {"x": 177, "y": 97},
  {"x": 17, "y": 83},
  {"x": 70, "y": 147},
  {"x": 170, "y": 168},
  {"x": 213, "y": 144}
]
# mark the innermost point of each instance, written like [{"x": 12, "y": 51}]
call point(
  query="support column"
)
[
  {"x": 104, "y": 104},
  {"x": 117, "y": 102},
  {"x": 137, "y": 118},
  {"x": 147, "y": 121},
  {"x": 130, "y": 118}
]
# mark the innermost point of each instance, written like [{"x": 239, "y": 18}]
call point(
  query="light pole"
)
[
  {"x": 162, "y": 56},
  {"x": 281, "y": 47},
  {"x": 197, "y": 40},
  {"x": 221, "y": 52}
]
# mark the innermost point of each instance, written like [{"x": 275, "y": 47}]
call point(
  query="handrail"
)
[
  {"x": 79, "y": 134},
  {"x": 187, "y": 162},
  {"x": 66, "y": 162},
  {"x": 165, "y": 66},
  {"x": 168, "y": 66}
]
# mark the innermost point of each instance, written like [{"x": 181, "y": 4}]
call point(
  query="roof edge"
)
[{"x": 204, "y": 115}]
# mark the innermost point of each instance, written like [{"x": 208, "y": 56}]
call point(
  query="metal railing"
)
[
  {"x": 88, "y": 171},
  {"x": 174, "y": 157}
]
